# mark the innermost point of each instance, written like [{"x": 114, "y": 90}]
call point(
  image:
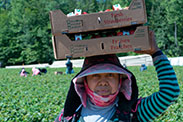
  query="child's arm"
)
[{"x": 152, "y": 106}]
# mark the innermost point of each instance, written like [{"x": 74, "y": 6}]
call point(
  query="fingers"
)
[{"x": 154, "y": 46}]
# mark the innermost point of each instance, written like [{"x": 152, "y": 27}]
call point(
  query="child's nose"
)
[{"x": 103, "y": 82}]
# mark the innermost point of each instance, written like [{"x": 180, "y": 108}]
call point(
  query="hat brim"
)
[{"x": 103, "y": 68}]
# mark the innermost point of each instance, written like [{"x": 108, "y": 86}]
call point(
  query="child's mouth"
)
[{"x": 103, "y": 92}]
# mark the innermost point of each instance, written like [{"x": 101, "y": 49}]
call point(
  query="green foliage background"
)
[
  {"x": 25, "y": 31},
  {"x": 41, "y": 98}
]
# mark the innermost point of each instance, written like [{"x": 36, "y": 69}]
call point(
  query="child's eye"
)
[
  {"x": 110, "y": 75},
  {"x": 96, "y": 75}
]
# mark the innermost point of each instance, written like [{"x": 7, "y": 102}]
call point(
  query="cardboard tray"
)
[
  {"x": 136, "y": 14},
  {"x": 64, "y": 47}
]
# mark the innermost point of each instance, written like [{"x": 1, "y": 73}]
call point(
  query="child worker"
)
[{"x": 104, "y": 91}]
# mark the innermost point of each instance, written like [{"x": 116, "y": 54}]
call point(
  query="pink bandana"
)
[{"x": 99, "y": 100}]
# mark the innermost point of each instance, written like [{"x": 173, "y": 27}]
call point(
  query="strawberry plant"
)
[{"x": 41, "y": 98}]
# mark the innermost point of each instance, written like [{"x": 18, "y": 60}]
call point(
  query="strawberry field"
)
[{"x": 41, "y": 98}]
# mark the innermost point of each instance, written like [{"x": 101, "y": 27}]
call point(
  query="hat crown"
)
[{"x": 111, "y": 58}]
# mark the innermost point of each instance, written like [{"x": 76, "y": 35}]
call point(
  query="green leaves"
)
[
  {"x": 37, "y": 98},
  {"x": 41, "y": 98},
  {"x": 25, "y": 26},
  {"x": 164, "y": 17}
]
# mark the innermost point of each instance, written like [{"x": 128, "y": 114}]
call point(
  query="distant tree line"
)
[{"x": 25, "y": 30}]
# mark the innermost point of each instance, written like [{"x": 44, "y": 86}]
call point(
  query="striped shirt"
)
[{"x": 152, "y": 106}]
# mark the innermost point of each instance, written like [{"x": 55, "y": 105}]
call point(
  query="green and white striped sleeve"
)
[{"x": 155, "y": 104}]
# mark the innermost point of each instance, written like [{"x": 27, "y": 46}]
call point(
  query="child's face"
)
[{"x": 103, "y": 84}]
